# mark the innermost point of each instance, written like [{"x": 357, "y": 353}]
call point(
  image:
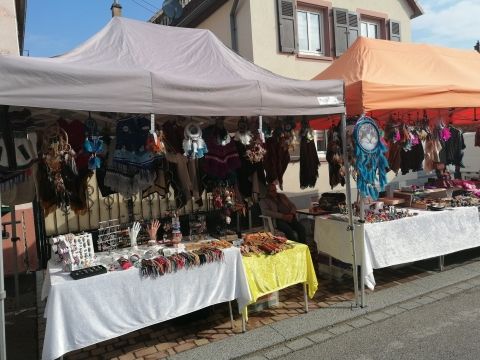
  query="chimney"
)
[
  {"x": 477, "y": 46},
  {"x": 116, "y": 9}
]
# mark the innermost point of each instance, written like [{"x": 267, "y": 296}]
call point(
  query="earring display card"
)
[
  {"x": 87, "y": 272},
  {"x": 108, "y": 235},
  {"x": 74, "y": 251}
]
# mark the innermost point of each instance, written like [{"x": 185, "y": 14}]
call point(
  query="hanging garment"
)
[
  {"x": 196, "y": 174},
  {"x": 412, "y": 159},
  {"x": 454, "y": 147},
  {"x": 222, "y": 159},
  {"x": 132, "y": 168},
  {"x": 276, "y": 160},
  {"x": 334, "y": 158},
  {"x": 309, "y": 162},
  {"x": 432, "y": 153},
  {"x": 180, "y": 163},
  {"x": 395, "y": 156},
  {"x": 101, "y": 172},
  {"x": 159, "y": 186},
  {"x": 250, "y": 174},
  {"x": 173, "y": 137},
  {"x": 76, "y": 130}
]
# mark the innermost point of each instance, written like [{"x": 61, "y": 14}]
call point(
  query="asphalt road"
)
[{"x": 446, "y": 329}]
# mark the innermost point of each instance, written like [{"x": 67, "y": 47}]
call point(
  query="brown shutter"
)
[
  {"x": 286, "y": 25},
  {"x": 340, "y": 24},
  {"x": 394, "y": 30},
  {"x": 353, "y": 28}
]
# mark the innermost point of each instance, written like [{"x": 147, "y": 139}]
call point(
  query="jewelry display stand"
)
[
  {"x": 108, "y": 235},
  {"x": 74, "y": 251}
]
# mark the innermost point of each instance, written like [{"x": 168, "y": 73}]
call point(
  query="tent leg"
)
[
  {"x": 3, "y": 295},
  {"x": 362, "y": 286},
  {"x": 362, "y": 268},
  {"x": 15, "y": 239},
  {"x": 350, "y": 227}
]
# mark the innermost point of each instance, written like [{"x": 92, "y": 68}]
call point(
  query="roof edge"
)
[{"x": 416, "y": 7}]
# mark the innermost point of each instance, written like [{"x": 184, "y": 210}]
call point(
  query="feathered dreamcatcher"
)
[
  {"x": 371, "y": 162},
  {"x": 93, "y": 143}
]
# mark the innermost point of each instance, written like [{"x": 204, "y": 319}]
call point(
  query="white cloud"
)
[{"x": 449, "y": 23}]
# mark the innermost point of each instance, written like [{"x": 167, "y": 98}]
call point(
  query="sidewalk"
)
[
  {"x": 207, "y": 333},
  {"x": 278, "y": 339}
]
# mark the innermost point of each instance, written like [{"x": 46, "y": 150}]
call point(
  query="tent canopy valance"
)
[
  {"x": 388, "y": 75},
  {"x": 137, "y": 67}
]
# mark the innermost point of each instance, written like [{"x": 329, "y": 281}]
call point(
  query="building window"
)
[
  {"x": 370, "y": 29},
  {"x": 310, "y": 32}
]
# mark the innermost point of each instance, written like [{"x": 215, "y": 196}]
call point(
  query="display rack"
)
[{"x": 108, "y": 235}]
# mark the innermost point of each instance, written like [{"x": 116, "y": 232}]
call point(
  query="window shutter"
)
[
  {"x": 353, "y": 28},
  {"x": 286, "y": 25},
  {"x": 394, "y": 30},
  {"x": 340, "y": 23}
]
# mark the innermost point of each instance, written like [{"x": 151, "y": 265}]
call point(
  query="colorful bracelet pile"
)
[
  {"x": 263, "y": 243},
  {"x": 162, "y": 265}
]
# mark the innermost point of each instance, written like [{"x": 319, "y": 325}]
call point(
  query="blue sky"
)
[
  {"x": 56, "y": 26},
  {"x": 451, "y": 23}
]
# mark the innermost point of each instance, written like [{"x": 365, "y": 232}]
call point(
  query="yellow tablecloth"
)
[{"x": 269, "y": 273}]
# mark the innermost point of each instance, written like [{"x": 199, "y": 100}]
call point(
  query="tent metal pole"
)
[
  {"x": 15, "y": 239},
  {"x": 362, "y": 268},
  {"x": 350, "y": 227},
  {"x": 3, "y": 295}
]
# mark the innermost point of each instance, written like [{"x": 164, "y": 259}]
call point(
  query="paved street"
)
[{"x": 446, "y": 329}]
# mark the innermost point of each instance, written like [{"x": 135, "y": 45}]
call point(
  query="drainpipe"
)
[
  {"x": 116, "y": 9},
  {"x": 233, "y": 25}
]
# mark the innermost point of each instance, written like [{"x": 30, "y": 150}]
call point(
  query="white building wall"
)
[{"x": 8, "y": 28}]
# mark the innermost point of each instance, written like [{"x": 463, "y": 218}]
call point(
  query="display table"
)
[
  {"x": 426, "y": 235},
  {"x": 270, "y": 273},
  {"x": 83, "y": 312}
]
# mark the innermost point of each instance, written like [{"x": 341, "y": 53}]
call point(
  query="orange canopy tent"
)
[{"x": 403, "y": 77}]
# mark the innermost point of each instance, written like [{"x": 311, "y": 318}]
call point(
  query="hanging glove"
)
[{"x": 133, "y": 233}]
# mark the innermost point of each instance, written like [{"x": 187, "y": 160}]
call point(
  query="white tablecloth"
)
[
  {"x": 429, "y": 234},
  {"x": 84, "y": 312}
]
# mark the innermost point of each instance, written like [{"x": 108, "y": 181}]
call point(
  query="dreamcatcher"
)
[
  {"x": 371, "y": 162},
  {"x": 93, "y": 143},
  {"x": 59, "y": 160}
]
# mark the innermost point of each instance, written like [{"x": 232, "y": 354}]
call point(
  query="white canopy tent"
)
[{"x": 137, "y": 67}]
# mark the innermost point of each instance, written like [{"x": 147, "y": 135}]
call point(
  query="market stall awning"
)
[
  {"x": 387, "y": 75},
  {"x": 137, "y": 67}
]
